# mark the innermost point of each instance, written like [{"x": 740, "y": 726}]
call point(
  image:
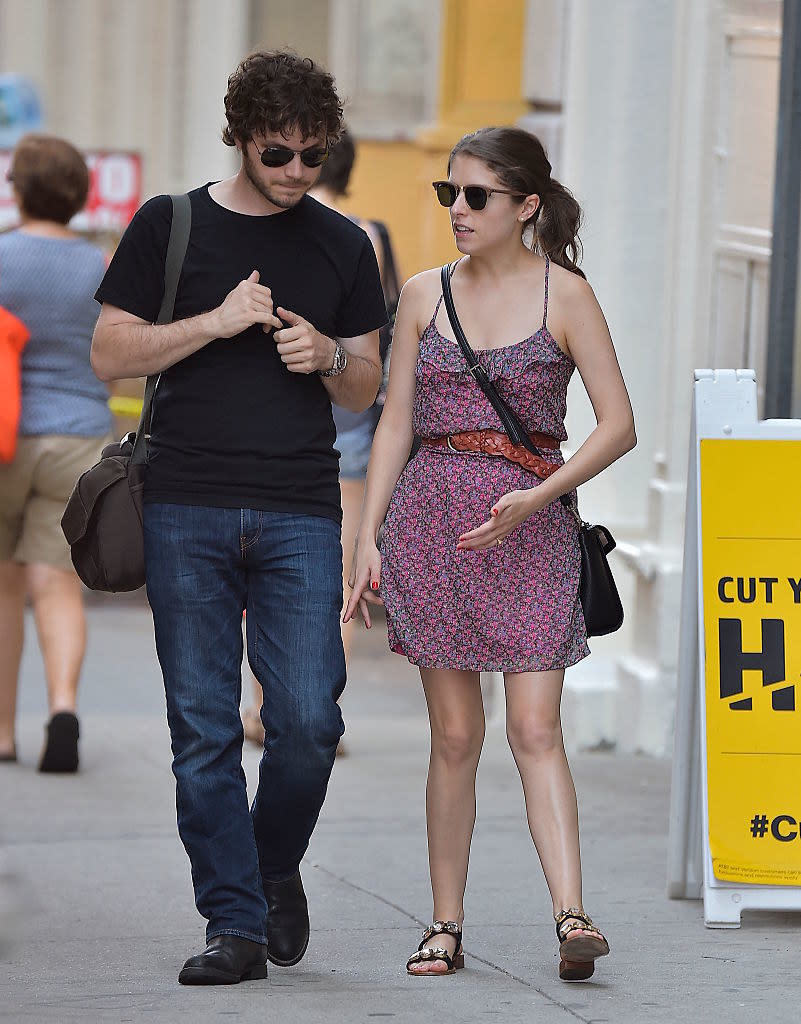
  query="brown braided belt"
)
[{"x": 496, "y": 442}]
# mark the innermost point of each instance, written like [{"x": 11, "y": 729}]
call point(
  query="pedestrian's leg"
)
[
  {"x": 295, "y": 648},
  {"x": 456, "y": 714},
  {"x": 61, "y": 626},
  {"x": 196, "y": 588},
  {"x": 15, "y": 485},
  {"x": 352, "y": 492},
  {"x": 534, "y": 730},
  {"x": 251, "y": 716},
  {"x": 12, "y": 609}
]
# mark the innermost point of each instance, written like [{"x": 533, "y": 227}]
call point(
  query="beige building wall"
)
[
  {"x": 147, "y": 76},
  {"x": 304, "y": 26}
]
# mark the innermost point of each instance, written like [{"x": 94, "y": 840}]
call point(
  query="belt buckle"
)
[{"x": 458, "y": 451}]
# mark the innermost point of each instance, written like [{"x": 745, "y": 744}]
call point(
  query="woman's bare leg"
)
[
  {"x": 534, "y": 730},
  {"x": 61, "y": 625},
  {"x": 12, "y": 610},
  {"x": 456, "y": 714}
]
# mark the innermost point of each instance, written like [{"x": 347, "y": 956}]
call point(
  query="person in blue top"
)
[{"x": 47, "y": 277}]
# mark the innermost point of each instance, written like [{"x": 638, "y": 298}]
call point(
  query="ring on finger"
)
[{"x": 499, "y": 541}]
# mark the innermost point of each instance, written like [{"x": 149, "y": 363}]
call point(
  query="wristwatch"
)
[{"x": 340, "y": 362}]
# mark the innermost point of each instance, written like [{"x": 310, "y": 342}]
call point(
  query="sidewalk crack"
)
[{"x": 422, "y": 924}]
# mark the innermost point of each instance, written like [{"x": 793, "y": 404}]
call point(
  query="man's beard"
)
[{"x": 282, "y": 202}]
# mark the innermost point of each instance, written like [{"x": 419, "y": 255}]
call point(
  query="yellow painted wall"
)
[
  {"x": 391, "y": 182},
  {"x": 481, "y": 67}
]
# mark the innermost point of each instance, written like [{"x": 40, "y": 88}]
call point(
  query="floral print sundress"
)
[{"x": 513, "y": 607}]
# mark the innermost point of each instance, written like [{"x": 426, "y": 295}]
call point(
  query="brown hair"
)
[
  {"x": 519, "y": 160},
  {"x": 278, "y": 91},
  {"x": 50, "y": 178}
]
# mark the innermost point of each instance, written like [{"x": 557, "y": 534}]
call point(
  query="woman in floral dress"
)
[{"x": 479, "y": 563}]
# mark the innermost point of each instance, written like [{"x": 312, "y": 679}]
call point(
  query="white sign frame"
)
[{"x": 724, "y": 406}]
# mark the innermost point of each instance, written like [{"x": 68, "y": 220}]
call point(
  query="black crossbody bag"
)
[
  {"x": 600, "y": 601},
  {"x": 103, "y": 518}
]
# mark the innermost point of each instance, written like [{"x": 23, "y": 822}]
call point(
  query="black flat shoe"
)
[
  {"x": 287, "y": 921},
  {"x": 226, "y": 960},
  {"x": 60, "y": 752}
]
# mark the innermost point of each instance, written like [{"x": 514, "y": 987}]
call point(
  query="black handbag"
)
[
  {"x": 600, "y": 601},
  {"x": 103, "y": 517}
]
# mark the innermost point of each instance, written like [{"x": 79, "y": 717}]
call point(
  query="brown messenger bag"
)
[{"x": 103, "y": 518}]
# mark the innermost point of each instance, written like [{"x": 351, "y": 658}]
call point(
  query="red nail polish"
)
[
  {"x": 493, "y": 511},
  {"x": 374, "y": 585}
]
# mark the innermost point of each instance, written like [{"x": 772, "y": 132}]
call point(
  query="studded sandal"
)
[
  {"x": 427, "y": 954},
  {"x": 578, "y": 954}
]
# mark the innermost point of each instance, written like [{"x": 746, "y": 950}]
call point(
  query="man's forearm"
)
[
  {"x": 139, "y": 350},
  {"x": 356, "y": 387}
]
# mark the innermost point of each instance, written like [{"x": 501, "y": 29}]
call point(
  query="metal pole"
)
[{"x": 784, "y": 285}]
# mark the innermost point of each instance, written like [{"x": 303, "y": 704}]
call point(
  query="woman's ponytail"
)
[{"x": 557, "y": 225}]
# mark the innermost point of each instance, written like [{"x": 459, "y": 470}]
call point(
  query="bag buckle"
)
[{"x": 575, "y": 513}]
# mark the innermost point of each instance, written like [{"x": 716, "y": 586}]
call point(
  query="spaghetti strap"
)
[
  {"x": 545, "y": 306},
  {"x": 436, "y": 310}
]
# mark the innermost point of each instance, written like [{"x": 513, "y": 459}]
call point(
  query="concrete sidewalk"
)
[{"x": 97, "y": 913}]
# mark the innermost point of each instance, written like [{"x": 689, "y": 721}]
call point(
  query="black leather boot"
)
[
  {"x": 287, "y": 921},
  {"x": 226, "y": 960}
]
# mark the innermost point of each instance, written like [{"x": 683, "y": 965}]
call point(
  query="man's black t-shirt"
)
[{"x": 232, "y": 427}]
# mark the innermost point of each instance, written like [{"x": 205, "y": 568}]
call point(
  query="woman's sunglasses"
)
[
  {"x": 475, "y": 196},
  {"x": 280, "y": 156}
]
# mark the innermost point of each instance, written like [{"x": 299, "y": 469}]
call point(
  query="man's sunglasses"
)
[
  {"x": 280, "y": 156},
  {"x": 475, "y": 196}
]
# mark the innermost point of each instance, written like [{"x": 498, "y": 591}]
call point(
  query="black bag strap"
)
[
  {"x": 517, "y": 433},
  {"x": 173, "y": 264},
  {"x": 391, "y": 278}
]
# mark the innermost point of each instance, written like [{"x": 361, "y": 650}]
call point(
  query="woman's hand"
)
[
  {"x": 506, "y": 514},
  {"x": 364, "y": 580}
]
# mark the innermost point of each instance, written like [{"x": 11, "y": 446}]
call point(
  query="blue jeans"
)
[{"x": 204, "y": 567}]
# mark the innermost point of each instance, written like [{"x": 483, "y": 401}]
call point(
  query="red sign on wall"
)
[{"x": 115, "y": 191}]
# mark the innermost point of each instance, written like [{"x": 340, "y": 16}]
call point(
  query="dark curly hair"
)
[{"x": 278, "y": 91}]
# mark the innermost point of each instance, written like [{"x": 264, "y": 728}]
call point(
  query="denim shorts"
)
[{"x": 354, "y": 448}]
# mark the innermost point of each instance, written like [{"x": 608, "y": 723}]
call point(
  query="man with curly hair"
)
[{"x": 277, "y": 315}]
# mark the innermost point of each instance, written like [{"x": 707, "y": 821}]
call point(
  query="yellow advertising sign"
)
[{"x": 751, "y": 544}]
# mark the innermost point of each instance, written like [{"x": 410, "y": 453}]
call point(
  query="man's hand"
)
[
  {"x": 301, "y": 347},
  {"x": 247, "y": 304}
]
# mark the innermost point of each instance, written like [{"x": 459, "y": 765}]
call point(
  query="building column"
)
[
  {"x": 615, "y": 160},
  {"x": 667, "y": 213}
]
